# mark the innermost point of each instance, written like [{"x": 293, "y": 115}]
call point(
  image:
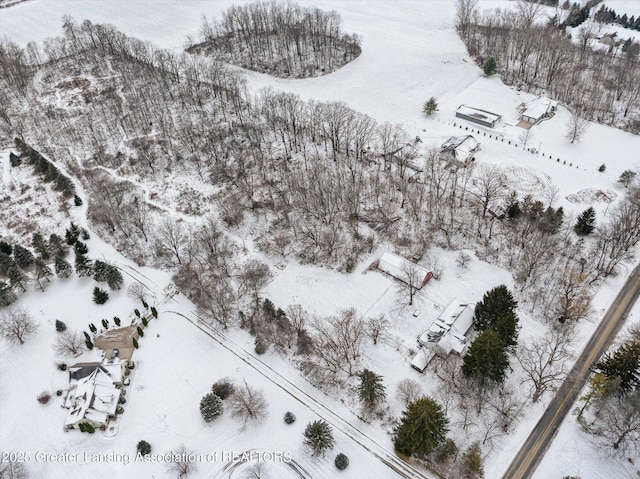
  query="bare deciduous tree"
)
[
  {"x": 411, "y": 281},
  {"x": 137, "y": 291},
  {"x": 376, "y": 327},
  {"x": 171, "y": 237},
  {"x": 12, "y": 469},
  {"x": 409, "y": 391},
  {"x": 17, "y": 325},
  {"x": 257, "y": 471},
  {"x": 576, "y": 127},
  {"x": 69, "y": 342},
  {"x": 545, "y": 360},
  {"x": 339, "y": 341},
  {"x": 183, "y": 462},
  {"x": 248, "y": 404},
  {"x": 297, "y": 317}
]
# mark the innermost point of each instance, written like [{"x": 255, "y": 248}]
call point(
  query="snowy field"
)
[{"x": 410, "y": 53}]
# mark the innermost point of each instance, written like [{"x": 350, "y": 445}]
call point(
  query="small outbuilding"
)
[
  {"x": 459, "y": 149},
  {"x": 476, "y": 115},
  {"x": 402, "y": 269},
  {"x": 538, "y": 110}
]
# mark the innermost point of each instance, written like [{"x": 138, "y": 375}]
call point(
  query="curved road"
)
[{"x": 534, "y": 448}]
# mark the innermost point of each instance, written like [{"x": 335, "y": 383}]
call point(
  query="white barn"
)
[{"x": 399, "y": 268}]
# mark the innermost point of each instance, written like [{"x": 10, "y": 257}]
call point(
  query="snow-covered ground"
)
[
  {"x": 410, "y": 53},
  {"x": 574, "y": 453}
]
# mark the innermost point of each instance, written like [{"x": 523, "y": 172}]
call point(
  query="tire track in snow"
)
[{"x": 402, "y": 468}]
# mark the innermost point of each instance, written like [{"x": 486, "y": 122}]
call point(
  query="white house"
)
[
  {"x": 538, "y": 109},
  {"x": 401, "y": 268},
  {"x": 94, "y": 393},
  {"x": 448, "y": 334}
]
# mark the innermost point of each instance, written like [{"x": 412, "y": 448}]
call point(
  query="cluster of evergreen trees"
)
[
  {"x": 609, "y": 15},
  {"x": 20, "y": 265},
  {"x": 48, "y": 171},
  {"x": 497, "y": 321}
]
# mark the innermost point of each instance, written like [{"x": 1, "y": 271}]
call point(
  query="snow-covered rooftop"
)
[{"x": 399, "y": 268}]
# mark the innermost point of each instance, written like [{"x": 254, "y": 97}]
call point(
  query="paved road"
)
[{"x": 534, "y": 448}]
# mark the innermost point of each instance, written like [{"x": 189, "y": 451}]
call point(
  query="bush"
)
[
  {"x": 144, "y": 447},
  {"x": 44, "y": 397},
  {"x": 341, "y": 461},
  {"x": 59, "y": 392},
  {"x": 154, "y": 311},
  {"x": 100, "y": 296},
  {"x": 289, "y": 417},
  {"x": 60, "y": 326},
  {"x": 122, "y": 400},
  {"x": 223, "y": 388},
  {"x": 116, "y": 320},
  {"x": 77, "y": 200},
  {"x": 261, "y": 346},
  {"x": 602, "y": 168},
  {"x": 120, "y": 410},
  {"x": 210, "y": 407},
  {"x": 135, "y": 343},
  {"x": 62, "y": 366},
  {"x": 89, "y": 428}
]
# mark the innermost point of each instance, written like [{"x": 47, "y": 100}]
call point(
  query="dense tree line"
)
[
  {"x": 282, "y": 39},
  {"x": 324, "y": 182},
  {"x": 601, "y": 87}
]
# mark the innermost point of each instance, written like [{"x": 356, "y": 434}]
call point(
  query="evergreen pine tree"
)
[
  {"x": 62, "y": 267},
  {"x": 77, "y": 200},
  {"x": 6, "y": 262},
  {"x": 7, "y": 295},
  {"x": 507, "y": 328},
  {"x": 113, "y": 277},
  {"x": 624, "y": 363},
  {"x": 423, "y": 427},
  {"x": 42, "y": 272},
  {"x": 57, "y": 246},
  {"x": 135, "y": 343},
  {"x": 586, "y": 222},
  {"x": 490, "y": 66},
  {"x": 370, "y": 390},
  {"x": 72, "y": 234},
  {"x": 22, "y": 256},
  {"x": 40, "y": 246},
  {"x": 17, "y": 278},
  {"x": 60, "y": 326},
  {"x": 318, "y": 436},
  {"x": 487, "y": 358},
  {"x": 5, "y": 248},
  {"x": 210, "y": 407},
  {"x": 495, "y": 304},
  {"x": 341, "y": 461},
  {"x": 100, "y": 296},
  {"x": 80, "y": 247},
  {"x": 84, "y": 266},
  {"x": 430, "y": 106},
  {"x": 143, "y": 447}
]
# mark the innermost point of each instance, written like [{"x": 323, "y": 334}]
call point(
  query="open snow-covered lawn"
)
[{"x": 410, "y": 53}]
